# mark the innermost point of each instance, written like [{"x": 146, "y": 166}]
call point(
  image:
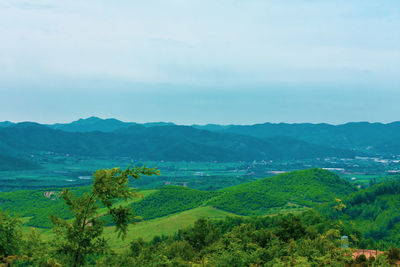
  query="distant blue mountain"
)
[
  {"x": 363, "y": 136},
  {"x": 92, "y": 124},
  {"x": 166, "y": 141},
  {"x": 6, "y": 123},
  {"x": 173, "y": 143},
  {"x": 102, "y": 125}
]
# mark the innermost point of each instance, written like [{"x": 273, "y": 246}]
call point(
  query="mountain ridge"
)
[{"x": 175, "y": 143}]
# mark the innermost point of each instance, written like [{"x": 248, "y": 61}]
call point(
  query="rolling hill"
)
[
  {"x": 291, "y": 191},
  {"x": 299, "y": 188},
  {"x": 374, "y": 210}
]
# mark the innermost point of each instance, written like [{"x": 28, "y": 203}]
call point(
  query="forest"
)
[
  {"x": 292, "y": 219},
  {"x": 306, "y": 239}
]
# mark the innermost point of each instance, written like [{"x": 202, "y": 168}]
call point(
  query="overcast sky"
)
[{"x": 205, "y": 61}]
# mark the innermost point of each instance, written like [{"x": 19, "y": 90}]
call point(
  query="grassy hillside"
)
[
  {"x": 306, "y": 188},
  {"x": 290, "y": 191},
  {"x": 170, "y": 199},
  {"x": 37, "y": 205},
  {"x": 294, "y": 191},
  {"x": 166, "y": 225}
]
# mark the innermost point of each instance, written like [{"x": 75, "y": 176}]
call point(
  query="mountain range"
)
[{"x": 170, "y": 142}]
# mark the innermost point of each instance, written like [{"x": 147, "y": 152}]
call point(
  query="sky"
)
[{"x": 200, "y": 61}]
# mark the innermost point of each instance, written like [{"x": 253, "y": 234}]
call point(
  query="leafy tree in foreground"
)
[
  {"x": 82, "y": 236},
  {"x": 10, "y": 234}
]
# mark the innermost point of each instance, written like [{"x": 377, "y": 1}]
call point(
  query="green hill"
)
[
  {"x": 170, "y": 199},
  {"x": 375, "y": 211},
  {"x": 305, "y": 188},
  {"x": 36, "y": 205},
  {"x": 289, "y": 191}
]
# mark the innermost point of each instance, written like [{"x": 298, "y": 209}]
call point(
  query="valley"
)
[{"x": 60, "y": 170}]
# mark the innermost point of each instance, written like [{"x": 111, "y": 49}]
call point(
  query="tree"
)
[
  {"x": 290, "y": 227},
  {"x": 35, "y": 251},
  {"x": 381, "y": 261},
  {"x": 10, "y": 234},
  {"x": 339, "y": 205},
  {"x": 203, "y": 233},
  {"x": 82, "y": 236}
]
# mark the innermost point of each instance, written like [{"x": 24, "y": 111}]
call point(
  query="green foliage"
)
[
  {"x": 10, "y": 234},
  {"x": 305, "y": 239},
  {"x": 170, "y": 199},
  {"x": 255, "y": 241},
  {"x": 309, "y": 187},
  {"x": 290, "y": 228},
  {"x": 202, "y": 234},
  {"x": 381, "y": 261},
  {"x": 83, "y": 236},
  {"x": 35, "y": 251},
  {"x": 38, "y": 205},
  {"x": 393, "y": 255},
  {"x": 378, "y": 204},
  {"x": 291, "y": 190}
]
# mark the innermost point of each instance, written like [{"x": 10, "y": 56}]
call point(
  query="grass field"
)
[
  {"x": 147, "y": 230},
  {"x": 167, "y": 225}
]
